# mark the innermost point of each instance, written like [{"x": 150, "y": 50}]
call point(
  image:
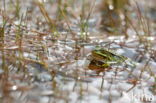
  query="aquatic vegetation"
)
[{"x": 70, "y": 51}]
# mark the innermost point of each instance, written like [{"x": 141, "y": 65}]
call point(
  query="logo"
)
[{"x": 141, "y": 96}]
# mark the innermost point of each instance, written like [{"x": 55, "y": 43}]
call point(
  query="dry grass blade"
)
[{"x": 50, "y": 21}]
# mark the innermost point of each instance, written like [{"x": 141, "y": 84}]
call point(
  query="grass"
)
[
  {"x": 47, "y": 32},
  {"x": 2, "y": 39},
  {"x": 51, "y": 22}
]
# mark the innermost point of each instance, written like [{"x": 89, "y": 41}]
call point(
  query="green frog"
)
[{"x": 103, "y": 60}]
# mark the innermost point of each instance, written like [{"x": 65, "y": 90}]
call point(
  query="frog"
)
[{"x": 104, "y": 59}]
